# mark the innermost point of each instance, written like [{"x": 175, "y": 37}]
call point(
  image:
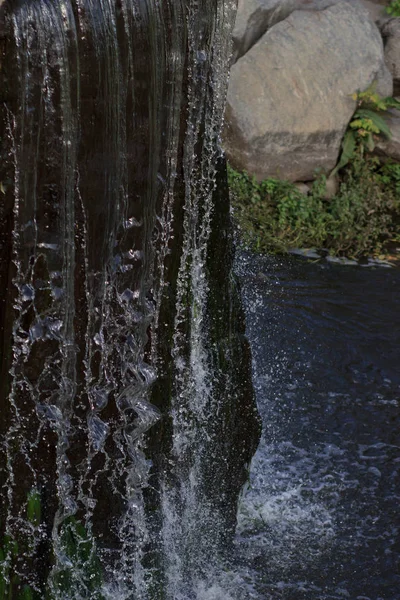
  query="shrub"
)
[
  {"x": 394, "y": 8},
  {"x": 275, "y": 216},
  {"x": 366, "y": 125}
]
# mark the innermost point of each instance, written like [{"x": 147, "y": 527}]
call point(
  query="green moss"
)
[{"x": 26, "y": 593}]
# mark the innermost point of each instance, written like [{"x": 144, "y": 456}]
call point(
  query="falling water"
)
[{"x": 127, "y": 417}]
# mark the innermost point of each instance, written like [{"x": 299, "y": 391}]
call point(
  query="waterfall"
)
[{"x": 127, "y": 416}]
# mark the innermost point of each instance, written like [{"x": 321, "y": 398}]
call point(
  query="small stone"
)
[
  {"x": 306, "y": 252},
  {"x": 390, "y": 148},
  {"x": 377, "y": 262},
  {"x": 391, "y": 38},
  {"x": 302, "y": 187},
  {"x": 341, "y": 260},
  {"x": 332, "y": 187}
]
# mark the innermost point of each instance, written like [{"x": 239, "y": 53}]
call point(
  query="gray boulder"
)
[
  {"x": 390, "y": 148},
  {"x": 391, "y": 36},
  {"x": 289, "y": 99},
  {"x": 255, "y": 17}
]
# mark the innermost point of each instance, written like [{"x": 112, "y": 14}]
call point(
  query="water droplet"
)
[
  {"x": 27, "y": 293},
  {"x": 98, "y": 431},
  {"x": 201, "y": 56},
  {"x": 129, "y": 295},
  {"x": 36, "y": 331},
  {"x": 98, "y": 339},
  {"x": 132, "y": 222},
  {"x": 99, "y": 399}
]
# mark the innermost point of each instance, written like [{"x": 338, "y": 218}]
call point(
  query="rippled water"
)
[{"x": 320, "y": 517}]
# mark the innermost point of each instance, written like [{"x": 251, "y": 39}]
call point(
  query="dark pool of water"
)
[{"x": 321, "y": 517}]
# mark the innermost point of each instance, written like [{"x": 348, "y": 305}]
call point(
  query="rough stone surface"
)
[
  {"x": 391, "y": 36},
  {"x": 302, "y": 187},
  {"x": 376, "y": 11},
  {"x": 391, "y": 148},
  {"x": 289, "y": 99},
  {"x": 255, "y": 17},
  {"x": 332, "y": 186}
]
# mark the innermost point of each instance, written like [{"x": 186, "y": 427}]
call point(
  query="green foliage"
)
[
  {"x": 4, "y": 570},
  {"x": 358, "y": 220},
  {"x": 10, "y": 584},
  {"x": 275, "y": 216},
  {"x": 26, "y": 593},
  {"x": 8, "y": 553},
  {"x": 84, "y": 570},
  {"x": 390, "y": 175},
  {"x": 34, "y": 508},
  {"x": 394, "y": 8},
  {"x": 366, "y": 126}
]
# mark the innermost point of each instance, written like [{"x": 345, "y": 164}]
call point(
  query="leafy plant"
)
[
  {"x": 10, "y": 584},
  {"x": 275, "y": 216},
  {"x": 366, "y": 125},
  {"x": 394, "y": 8},
  {"x": 8, "y": 553}
]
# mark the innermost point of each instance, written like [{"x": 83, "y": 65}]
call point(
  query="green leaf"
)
[
  {"x": 391, "y": 102},
  {"x": 377, "y": 120},
  {"x": 10, "y": 546},
  {"x": 80, "y": 549},
  {"x": 394, "y": 8},
  {"x": 348, "y": 150},
  {"x": 34, "y": 508}
]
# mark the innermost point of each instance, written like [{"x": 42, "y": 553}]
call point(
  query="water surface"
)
[{"x": 320, "y": 517}]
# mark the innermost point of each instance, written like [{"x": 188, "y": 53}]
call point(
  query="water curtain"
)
[{"x": 127, "y": 416}]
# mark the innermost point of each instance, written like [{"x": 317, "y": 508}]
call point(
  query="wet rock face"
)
[{"x": 110, "y": 233}]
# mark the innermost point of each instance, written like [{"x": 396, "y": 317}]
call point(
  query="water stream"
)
[{"x": 127, "y": 411}]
